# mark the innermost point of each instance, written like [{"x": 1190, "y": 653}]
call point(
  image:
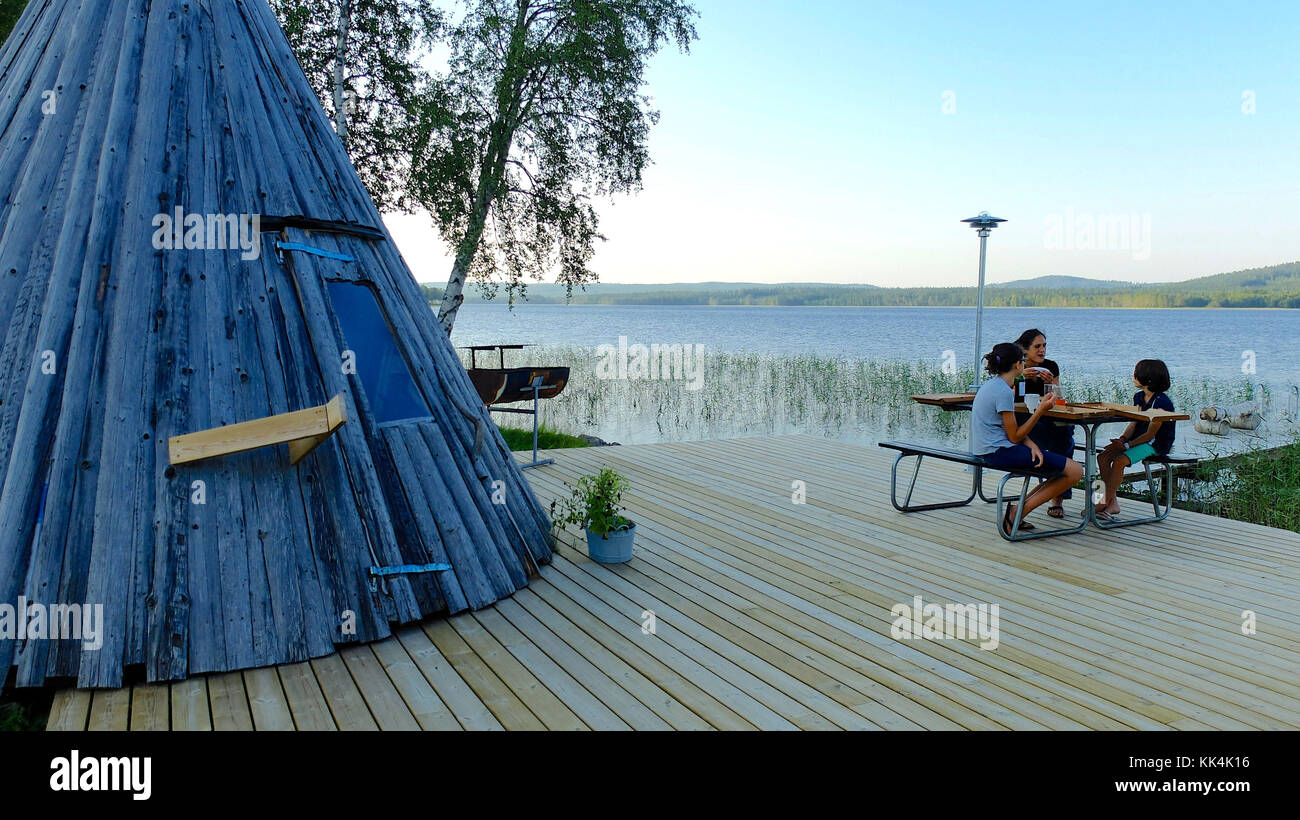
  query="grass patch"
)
[
  {"x": 1259, "y": 486},
  {"x": 547, "y": 439},
  {"x": 25, "y": 712}
]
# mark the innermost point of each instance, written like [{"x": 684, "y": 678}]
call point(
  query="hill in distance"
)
[
  {"x": 1076, "y": 282},
  {"x": 1275, "y": 286}
]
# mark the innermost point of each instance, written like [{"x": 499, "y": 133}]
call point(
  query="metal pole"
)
[
  {"x": 537, "y": 383},
  {"x": 979, "y": 309},
  {"x": 979, "y": 333}
]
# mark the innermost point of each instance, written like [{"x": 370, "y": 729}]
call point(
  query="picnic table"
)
[{"x": 1089, "y": 416}]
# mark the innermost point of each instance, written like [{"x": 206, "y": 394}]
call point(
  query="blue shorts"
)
[{"x": 1018, "y": 455}]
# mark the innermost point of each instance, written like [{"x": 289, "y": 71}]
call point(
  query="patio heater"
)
[{"x": 984, "y": 224}]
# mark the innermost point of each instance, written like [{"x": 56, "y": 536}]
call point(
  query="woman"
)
[
  {"x": 1004, "y": 442},
  {"x": 1039, "y": 372}
]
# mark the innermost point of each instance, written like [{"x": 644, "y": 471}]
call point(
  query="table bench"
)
[
  {"x": 923, "y": 451},
  {"x": 1089, "y": 416},
  {"x": 1159, "y": 512}
]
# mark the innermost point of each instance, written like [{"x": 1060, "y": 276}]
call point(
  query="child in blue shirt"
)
[
  {"x": 1002, "y": 442},
  {"x": 1139, "y": 440}
]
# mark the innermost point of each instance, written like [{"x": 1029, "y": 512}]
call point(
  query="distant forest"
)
[{"x": 1277, "y": 286}]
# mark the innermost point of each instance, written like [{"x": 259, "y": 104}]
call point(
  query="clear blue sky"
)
[{"x": 810, "y": 142}]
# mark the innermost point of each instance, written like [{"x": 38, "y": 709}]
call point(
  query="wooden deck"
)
[{"x": 775, "y": 615}]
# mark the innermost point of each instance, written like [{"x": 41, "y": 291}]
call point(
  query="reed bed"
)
[{"x": 859, "y": 400}]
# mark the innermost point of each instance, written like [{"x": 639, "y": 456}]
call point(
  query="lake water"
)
[
  {"x": 1194, "y": 343},
  {"x": 1214, "y": 357}
]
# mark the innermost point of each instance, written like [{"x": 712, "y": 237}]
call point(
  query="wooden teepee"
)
[{"x": 137, "y": 139}]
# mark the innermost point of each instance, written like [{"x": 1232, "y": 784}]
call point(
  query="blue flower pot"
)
[{"x": 614, "y": 547}]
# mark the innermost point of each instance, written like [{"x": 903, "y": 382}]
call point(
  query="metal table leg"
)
[{"x": 1089, "y": 447}]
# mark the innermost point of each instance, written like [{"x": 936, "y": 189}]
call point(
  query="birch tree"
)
[{"x": 540, "y": 110}]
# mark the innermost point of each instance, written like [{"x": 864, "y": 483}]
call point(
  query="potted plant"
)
[{"x": 594, "y": 506}]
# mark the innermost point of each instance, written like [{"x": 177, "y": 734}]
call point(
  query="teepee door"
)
[
  {"x": 436, "y": 485},
  {"x": 440, "y": 507}
]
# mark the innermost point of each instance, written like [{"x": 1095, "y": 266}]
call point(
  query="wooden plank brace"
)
[{"x": 302, "y": 430}]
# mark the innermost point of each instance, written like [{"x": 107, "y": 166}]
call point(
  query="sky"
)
[{"x": 844, "y": 142}]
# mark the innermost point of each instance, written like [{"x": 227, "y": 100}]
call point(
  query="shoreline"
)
[{"x": 866, "y": 307}]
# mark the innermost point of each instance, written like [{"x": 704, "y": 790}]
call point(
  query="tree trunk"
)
[
  {"x": 489, "y": 177},
  {"x": 340, "y": 62},
  {"x": 454, "y": 295},
  {"x": 510, "y": 89}
]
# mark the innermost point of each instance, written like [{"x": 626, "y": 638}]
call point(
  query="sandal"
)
[
  {"x": 1056, "y": 512},
  {"x": 1025, "y": 526}
]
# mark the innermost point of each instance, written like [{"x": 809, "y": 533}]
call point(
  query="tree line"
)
[{"x": 849, "y": 296}]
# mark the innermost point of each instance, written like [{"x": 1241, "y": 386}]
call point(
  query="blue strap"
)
[
  {"x": 403, "y": 569},
  {"x": 298, "y": 246}
]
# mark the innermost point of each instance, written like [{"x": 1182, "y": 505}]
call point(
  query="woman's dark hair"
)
[
  {"x": 1152, "y": 374},
  {"x": 1003, "y": 357},
  {"x": 1027, "y": 338}
]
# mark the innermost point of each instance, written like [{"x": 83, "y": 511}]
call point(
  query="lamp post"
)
[{"x": 984, "y": 224}]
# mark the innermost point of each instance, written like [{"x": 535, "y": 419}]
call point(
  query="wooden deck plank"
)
[
  {"x": 549, "y": 709},
  {"x": 625, "y": 616},
  {"x": 898, "y": 700},
  {"x": 801, "y": 705},
  {"x": 383, "y": 699},
  {"x": 190, "y": 711},
  {"x": 633, "y": 652},
  {"x": 417, "y": 693},
  {"x": 497, "y": 696},
  {"x": 110, "y": 710},
  {"x": 597, "y": 682},
  {"x": 959, "y": 682},
  {"x": 646, "y": 690},
  {"x": 465, "y": 706},
  {"x": 306, "y": 701},
  {"x": 229, "y": 703},
  {"x": 70, "y": 711},
  {"x": 585, "y": 704},
  {"x": 345, "y": 701},
  {"x": 266, "y": 700},
  {"x": 151, "y": 707},
  {"x": 766, "y": 643}
]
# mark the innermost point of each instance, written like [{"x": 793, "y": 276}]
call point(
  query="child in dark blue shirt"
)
[{"x": 1141, "y": 439}]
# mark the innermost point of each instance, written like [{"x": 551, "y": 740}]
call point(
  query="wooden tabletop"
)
[{"x": 1073, "y": 411}]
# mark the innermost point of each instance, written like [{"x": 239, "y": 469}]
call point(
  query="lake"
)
[{"x": 1214, "y": 357}]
